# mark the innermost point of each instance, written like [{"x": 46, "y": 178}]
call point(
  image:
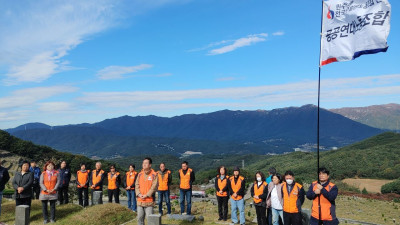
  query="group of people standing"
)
[{"x": 277, "y": 199}]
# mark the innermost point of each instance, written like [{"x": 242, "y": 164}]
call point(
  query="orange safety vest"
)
[
  {"x": 258, "y": 191},
  {"x": 130, "y": 180},
  {"x": 82, "y": 178},
  {"x": 327, "y": 209},
  {"x": 236, "y": 186},
  {"x": 50, "y": 184},
  {"x": 145, "y": 184},
  {"x": 112, "y": 181},
  {"x": 290, "y": 199},
  {"x": 221, "y": 185},
  {"x": 96, "y": 179},
  {"x": 163, "y": 181},
  {"x": 185, "y": 179}
]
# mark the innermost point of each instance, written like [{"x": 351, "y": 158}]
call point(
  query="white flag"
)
[{"x": 351, "y": 28}]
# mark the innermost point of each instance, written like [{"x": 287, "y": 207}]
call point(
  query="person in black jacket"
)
[
  {"x": 65, "y": 177},
  {"x": 221, "y": 187},
  {"x": 22, "y": 183},
  {"x": 4, "y": 178},
  {"x": 259, "y": 192}
]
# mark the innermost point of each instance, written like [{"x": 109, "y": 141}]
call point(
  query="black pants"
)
[
  {"x": 63, "y": 195},
  {"x": 83, "y": 197},
  {"x": 261, "y": 212},
  {"x": 114, "y": 192},
  {"x": 314, "y": 221},
  {"x": 269, "y": 216},
  {"x": 35, "y": 191},
  {"x": 223, "y": 207},
  {"x": 292, "y": 218},
  {"x": 52, "y": 210},
  {"x": 23, "y": 201}
]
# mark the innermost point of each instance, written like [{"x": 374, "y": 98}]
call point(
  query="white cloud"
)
[
  {"x": 241, "y": 42},
  {"x": 56, "y": 107},
  {"x": 278, "y": 33},
  {"x": 35, "y": 38},
  {"x": 117, "y": 72}
]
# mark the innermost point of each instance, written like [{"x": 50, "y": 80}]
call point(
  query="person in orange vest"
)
[
  {"x": 293, "y": 198},
  {"x": 82, "y": 184},
  {"x": 221, "y": 187},
  {"x": 186, "y": 179},
  {"x": 164, "y": 181},
  {"x": 129, "y": 184},
  {"x": 114, "y": 182},
  {"x": 327, "y": 192},
  {"x": 96, "y": 181},
  {"x": 259, "y": 192},
  {"x": 49, "y": 182},
  {"x": 145, "y": 187},
  {"x": 237, "y": 186},
  {"x": 275, "y": 198}
]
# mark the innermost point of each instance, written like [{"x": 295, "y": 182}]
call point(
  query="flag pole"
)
[{"x": 318, "y": 117}]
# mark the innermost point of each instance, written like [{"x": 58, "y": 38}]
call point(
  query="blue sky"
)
[{"x": 68, "y": 62}]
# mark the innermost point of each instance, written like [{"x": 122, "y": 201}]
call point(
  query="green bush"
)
[
  {"x": 392, "y": 187},
  {"x": 8, "y": 191}
]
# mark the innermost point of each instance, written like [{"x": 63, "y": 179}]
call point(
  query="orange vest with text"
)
[
  {"x": 258, "y": 191},
  {"x": 163, "y": 181},
  {"x": 112, "y": 181},
  {"x": 130, "y": 180},
  {"x": 145, "y": 184},
  {"x": 236, "y": 186},
  {"x": 50, "y": 184},
  {"x": 96, "y": 179},
  {"x": 290, "y": 199},
  {"x": 185, "y": 179},
  {"x": 326, "y": 205},
  {"x": 82, "y": 178},
  {"x": 221, "y": 185}
]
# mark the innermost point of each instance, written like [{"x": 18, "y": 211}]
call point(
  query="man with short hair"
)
[
  {"x": 65, "y": 177},
  {"x": 4, "y": 178},
  {"x": 36, "y": 177},
  {"x": 164, "y": 182},
  {"x": 293, "y": 198},
  {"x": 324, "y": 209},
  {"x": 145, "y": 187},
  {"x": 96, "y": 181},
  {"x": 237, "y": 189},
  {"x": 186, "y": 179}
]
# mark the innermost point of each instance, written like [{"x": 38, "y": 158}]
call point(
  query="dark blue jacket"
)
[
  {"x": 36, "y": 174},
  {"x": 4, "y": 177},
  {"x": 65, "y": 177}
]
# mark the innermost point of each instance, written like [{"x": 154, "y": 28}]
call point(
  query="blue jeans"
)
[
  {"x": 131, "y": 199},
  {"x": 188, "y": 195},
  {"x": 161, "y": 196},
  {"x": 239, "y": 204},
  {"x": 276, "y": 213},
  {"x": 1, "y": 199}
]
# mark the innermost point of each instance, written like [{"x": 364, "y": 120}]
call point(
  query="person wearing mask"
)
[
  {"x": 145, "y": 187},
  {"x": 327, "y": 192},
  {"x": 259, "y": 192},
  {"x": 36, "y": 177},
  {"x": 114, "y": 182},
  {"x": 275, "y": 198},
  {"x": 293, "y": 198},
  {"x": 4, "y": 178},
  {"x": 221, "y": 187},
  {"x": 96, "y": 182},
  {"x": 186, "y": 179},
  {"x": 237, "y": 186},
  {"x": 129, "y": 183},
  {"x": 82, "y": 184},
  {"x": 22, "y": 183},
  {"x": 164, "y": 182},
  {"x": 65, "y": 177},
  {"x": 49, "y": 183}
]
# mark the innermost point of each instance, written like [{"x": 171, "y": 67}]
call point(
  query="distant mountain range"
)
[
  {"x": 221, "y": 132},
  {"x": 379, "y": 116}
]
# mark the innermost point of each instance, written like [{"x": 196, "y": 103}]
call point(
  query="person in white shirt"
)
[{"x": 274, "y": 198}]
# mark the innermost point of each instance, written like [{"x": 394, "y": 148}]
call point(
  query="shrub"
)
[{"x": 392, "y": 187}]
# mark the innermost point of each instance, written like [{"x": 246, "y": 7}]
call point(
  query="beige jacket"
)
[{"x": 151, "y": 192}]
